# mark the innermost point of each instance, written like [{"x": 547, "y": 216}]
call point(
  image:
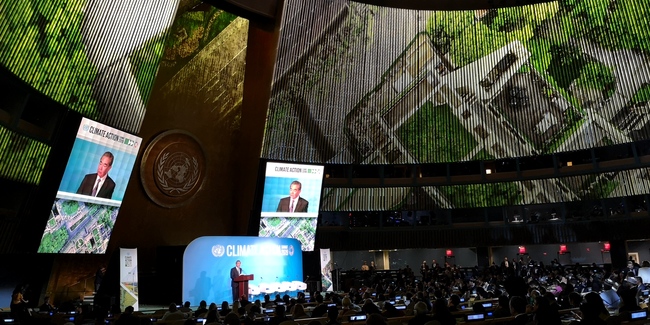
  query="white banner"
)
[
  {"x": 326, "y": 269},
  {"x": 129, "y": 278}
]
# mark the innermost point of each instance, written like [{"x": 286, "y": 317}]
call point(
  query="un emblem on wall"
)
[
  {"x": 173, "y": 167},
  {"x": 176, "y": 173},
  {"x": 218, "y": 250}
]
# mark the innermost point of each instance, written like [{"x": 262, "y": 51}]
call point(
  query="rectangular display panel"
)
[
  {"x": 91, "y": 190},
  {"x": 291, "y": 201}
]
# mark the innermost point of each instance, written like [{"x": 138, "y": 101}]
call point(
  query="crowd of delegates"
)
[{"x": 526, "y": 292}]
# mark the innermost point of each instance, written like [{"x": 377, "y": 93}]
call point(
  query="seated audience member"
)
[
  {"x": 478, "y": 309},
  {"x": 173, "y": 313},
  {"x": 629, "y": 302},
  {"x": 390, "y": 311},
  {"x": 346, "y": 308},
  {"x": 186, "y": 308},
  {"x": 421, "y": 316},
  {"x": 518, "y": 309},
  {"x": 454, "y": 303},
  {"x": 575, "y": 299},
  {"x": 46, "y": 306},
  {"x": 212, "y": 316},
  {"x": 301, "y": 298},
  {"x": 257, "y": 307},
  {"x": 249, "y": 318},
  {"x": 544, "y": 313},
  {"x": 442, "y": 314},
  {"x": 503, "y": 309},
  {"x": 202, "y": 310},
  {"x": 552, "y": 301},
  {"x": 279, "y": 315},
  {"x": 267, "y": 301},
  {"x": 236, "y": 308},
  {"x": 376, "y": 319},
  {"x": 225, "y": 309},
  {"x": 298, "y": 311},
  {"x": 332, "y": 316},
  {"x": 231, "y": 319},
  {"x": 369, "y": 307},
  {"x": 127, "y": 317},
  {"x": 321, "y": 308},
  {"x": 593, "y": 310}
]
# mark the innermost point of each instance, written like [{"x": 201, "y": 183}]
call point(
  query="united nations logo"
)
[
  {"x": 290, "y": 250},
  {"x": 218, "y": 250},
  {"x": 176, "y": 173},
  {"x": 173, "y": 168}
]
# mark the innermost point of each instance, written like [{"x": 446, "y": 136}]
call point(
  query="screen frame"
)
[{"x": 274, "y": 182}]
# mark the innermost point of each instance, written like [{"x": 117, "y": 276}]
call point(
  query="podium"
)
[{"x": 242, "y": 284}]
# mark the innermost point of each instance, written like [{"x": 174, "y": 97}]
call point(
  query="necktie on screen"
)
[
  {"x": 291, "y": 206},
  {"x": 96, "y": 187}
]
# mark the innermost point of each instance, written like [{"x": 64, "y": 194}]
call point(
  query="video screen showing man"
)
[
  {"x": 293, "y": 203},
  {"x": 99, "y": 184}
]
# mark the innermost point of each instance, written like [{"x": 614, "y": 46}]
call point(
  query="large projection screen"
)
[
  {"x": 84, "y": 212},
  {"x": 282, "y": 182}
]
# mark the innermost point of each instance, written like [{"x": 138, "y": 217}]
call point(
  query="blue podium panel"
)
[{"x": 276, "y": 264}]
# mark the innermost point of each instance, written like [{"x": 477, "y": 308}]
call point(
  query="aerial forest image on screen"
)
[{"x": 378, "y": 85}]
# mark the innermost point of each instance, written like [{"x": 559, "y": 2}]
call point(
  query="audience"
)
[{"x": 525, "y": 292}]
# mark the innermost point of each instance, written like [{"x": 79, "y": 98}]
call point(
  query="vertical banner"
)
[
  {"x": 326, "y": 269},
  {"x": 129, "y": 278}
]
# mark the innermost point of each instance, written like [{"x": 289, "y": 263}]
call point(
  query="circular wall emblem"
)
[
  {"x": 173, "y": 168},
  {"x": 218, "y": 250}
]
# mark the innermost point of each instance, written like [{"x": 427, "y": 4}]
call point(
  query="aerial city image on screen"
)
[
  {"x": 78, "y": 227},
  {"x": 301, "y": 228}
]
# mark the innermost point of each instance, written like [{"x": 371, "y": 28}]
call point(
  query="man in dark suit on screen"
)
[
  {"x": 234, "y": 273},
  {"x": 293, "y": 202},
  {"x": 99, "y": 184}
]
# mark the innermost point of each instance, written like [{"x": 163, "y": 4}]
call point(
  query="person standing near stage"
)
[{"x": 234, "y": 273}]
